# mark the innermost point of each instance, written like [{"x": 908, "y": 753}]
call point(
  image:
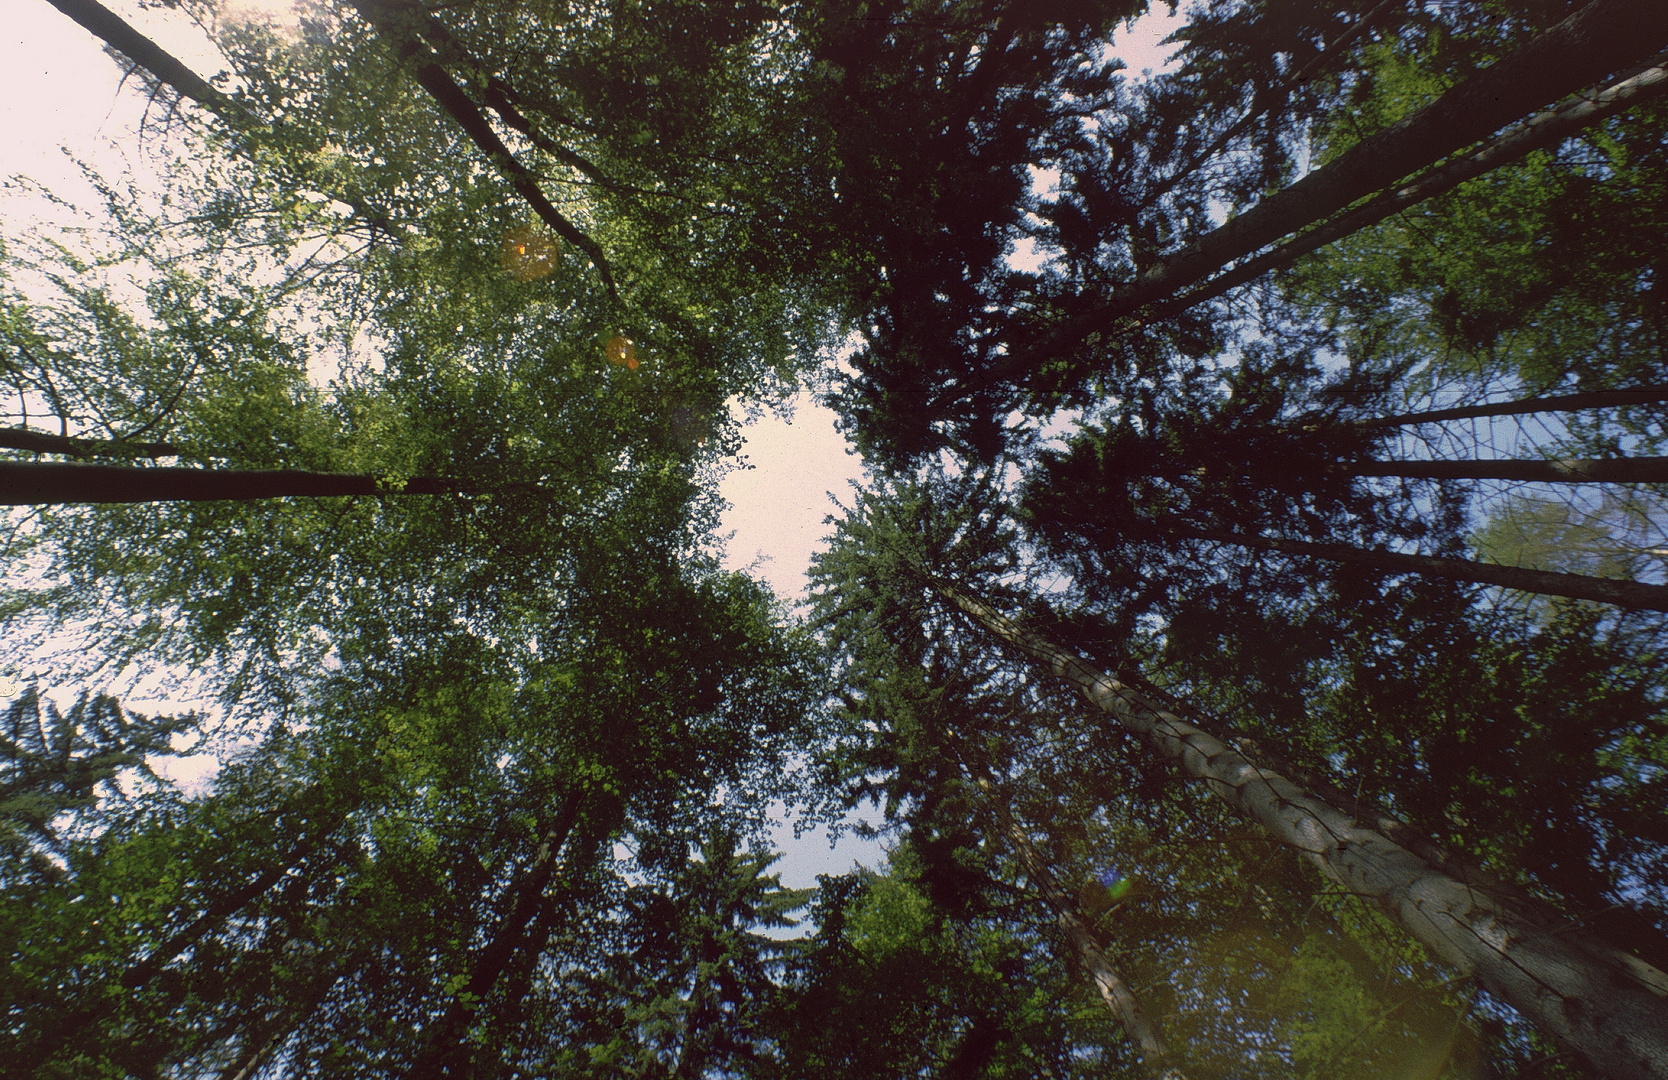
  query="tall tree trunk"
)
[
  {"x": 1120, "y": 999},
  {"x": 1625, "y": 594},
  {"x": 1593, "y": 399},
  {"x": 1605, "y": 1004},
  {"x": 1627, "y": 470},
  {"x": 443, "y": 1052},
  {"x": 40, "y": 442},
  {"x": 1604, "y": 37},
  {"x": 396, "y": 26},
  {"x": 38, "y": 483},
  {"x": 1545, "y": 129},
  {"x": 114, "y": 31}
]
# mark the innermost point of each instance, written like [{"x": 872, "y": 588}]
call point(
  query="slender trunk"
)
[
  {"x": 499, "y": 95},
  {"x": 37, "y": 483},
  {"x": 1120, "y": 999},
  {"x": 1287, "y": 85},
  {"x": 40, "y": 442},
  {"x": 443, "y": 1048},
  {"x": 1628, "y": 470},
  {"x": 115, "y": 32},
  {"x": 1546, "y": 129},
  {"x": 1601, "y": 1002},
  {"x": 140, "y": 975},
  {"x": 1593, "y": 399},
  {"x": 1624, "y": 594},
  {"x": 1604, "y": 37},
  {"x": 394, "y": 26}
]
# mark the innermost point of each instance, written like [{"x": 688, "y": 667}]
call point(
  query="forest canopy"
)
[{"x": 1250, "y": 644}]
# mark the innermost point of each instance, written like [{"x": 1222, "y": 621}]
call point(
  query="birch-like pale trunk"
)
[
  {"x": 1119, "y": 997},
  {"x": 1607, "y": 1005}
]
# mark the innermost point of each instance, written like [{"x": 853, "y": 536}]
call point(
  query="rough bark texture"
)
[
  {"x": 1607, "y": 1005},
  {"x": 1595, "y": 399},
  {"x": 27, "y": 483}
]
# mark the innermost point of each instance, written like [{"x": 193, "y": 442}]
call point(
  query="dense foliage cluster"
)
[{"x": 1298, "y": 405}]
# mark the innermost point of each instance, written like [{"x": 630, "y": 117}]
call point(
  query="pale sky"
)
[{"x": 59, "y": 89}]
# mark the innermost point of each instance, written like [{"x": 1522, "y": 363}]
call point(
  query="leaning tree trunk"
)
[
  {"x": 115, "y": 32},
  {"x": 1537, "y": 132},
  {"x": 1607, "y": 1005},
  {"x": 399, "y": 26},
  {"x": 1592, "y": 399},
  {"x": 1604, "y": 37},
  {"x": 1625, "y": 470},
  {"x": 1120, "y": 999},
  {"x": 38, "y": 483},
  {"x": 1625, "y": 594},
  {"x": 443, "y": 1048}
]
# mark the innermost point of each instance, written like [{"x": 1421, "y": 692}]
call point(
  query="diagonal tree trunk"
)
[
  {"x": 1607, "y": 1005},
  {"x": 1625, "y": 594},
  {"x": 394, "y": 26},
  {"x": 1542, "y": 130},
  {"x": 1628, "y": 470},
  {"x": 444, "y": 1052},
  {"x": 29, "y": 483},
  {"x": 1604, "y": 37},
  {"x": 114, "y": 31},
  {"x": 1592, "y": 399},
  {"x": 1120, "y": 999}
]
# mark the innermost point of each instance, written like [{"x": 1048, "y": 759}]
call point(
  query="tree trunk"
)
[
  {"x": 1120, "y": 999},
  {"x": 1605, "y": 1004},
  {"x": 443, "y": 1048},
  {"x": 1593, "y": 399},
  {"x": 40, "y": 442},
  {"x": 393, "y": 25},
  {"x": 32, "y": 483},
  {"x": 1624, "y": 594},
  {"x": 1603, "y": 37},
  {"x": 114, "y": 31},
  {"x": 1628, "y": 470},
  {"x": 1546, "y": 129}
]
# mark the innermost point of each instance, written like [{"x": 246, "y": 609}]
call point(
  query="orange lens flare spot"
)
[
  {"x": 621, "y": 351},
  {"x": 527, "y": 253}
]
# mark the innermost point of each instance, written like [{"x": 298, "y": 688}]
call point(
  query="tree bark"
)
[
  {"x": 1546, "y": 129},
  {"x": 28, "y": 483},
  {"x": 114, "y": 31},
  {"x": 40, "y": 442},
  {"x": 1628, "y": 470},
  {"x": 1603, "y": 37},
  {"x": 1120, "y": 999},
  {"x": 449, "y": 96},
  {"x": 443, "y": 1048},
  {"x": 1593, "y": 399},
  {"x": 1605, "y": 1004},
  {"x": 1624, "y": 594}
]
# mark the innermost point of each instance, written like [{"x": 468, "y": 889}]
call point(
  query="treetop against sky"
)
[{"x": 1233, "y": 696}]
